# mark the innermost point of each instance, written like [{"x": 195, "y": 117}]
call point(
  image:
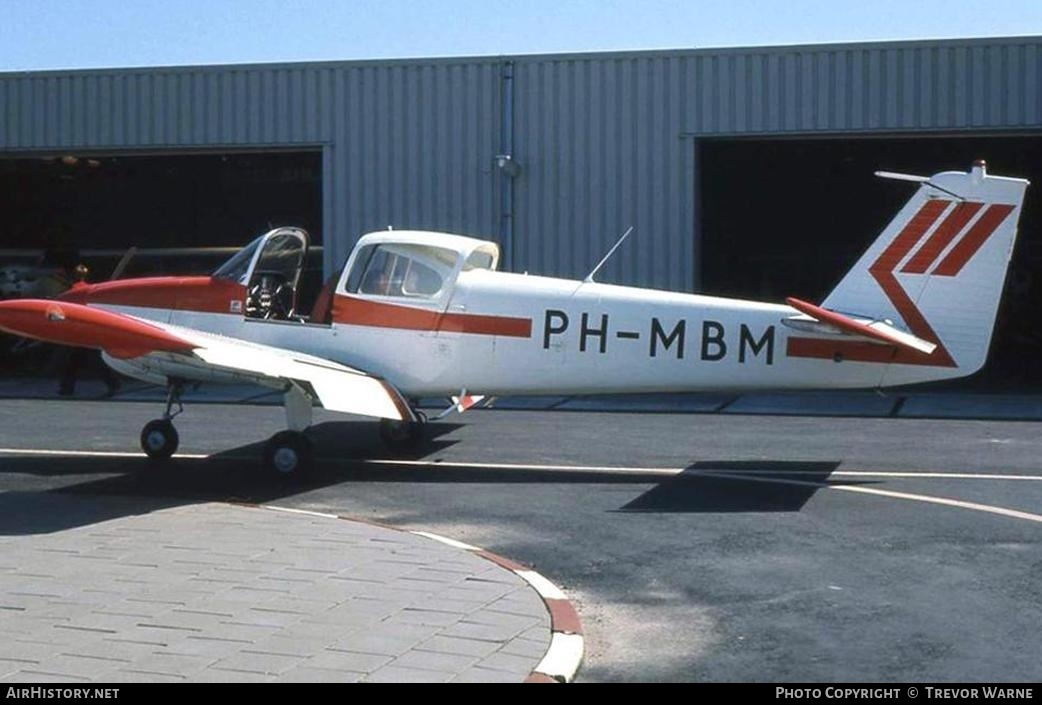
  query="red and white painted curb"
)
[{"x": 562, "y": 659}]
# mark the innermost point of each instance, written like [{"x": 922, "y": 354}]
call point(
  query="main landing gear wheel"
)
[
  {"x": 289, "y": 454},
  {"x": 159, "y": 439},
  {"x": 404, "y": 437}
]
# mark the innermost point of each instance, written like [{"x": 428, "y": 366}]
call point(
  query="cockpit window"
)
[
  {"x": 399, "y": 269},
  {"x": 237, "y": 268}
]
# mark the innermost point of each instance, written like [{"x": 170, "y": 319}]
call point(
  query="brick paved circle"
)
[{"x": 218, "y": 592}]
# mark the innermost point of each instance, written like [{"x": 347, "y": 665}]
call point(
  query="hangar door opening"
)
[
  {"x": 93, "y": 207},
  {"x": 186, "y": 213},
  {"x": 788, "y": 217}
]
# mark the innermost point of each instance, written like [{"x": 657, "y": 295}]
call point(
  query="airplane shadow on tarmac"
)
[
  {"x": 716, "y": 486},
  {"x": 350, "y": 451}
]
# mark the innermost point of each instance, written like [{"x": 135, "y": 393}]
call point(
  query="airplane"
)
[{"x": 423, "y": 314}]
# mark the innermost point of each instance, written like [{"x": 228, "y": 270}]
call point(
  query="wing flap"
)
[
  {"x": 875, "y": 331},
  {"x": 336, "y": 387}
]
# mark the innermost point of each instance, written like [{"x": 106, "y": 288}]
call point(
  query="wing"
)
[
  {"x": 335, "y": 386},
  {"x": 822, "y": 320}
]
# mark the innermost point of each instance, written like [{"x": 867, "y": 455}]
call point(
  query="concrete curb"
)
[{"x": 562, "y": 659}]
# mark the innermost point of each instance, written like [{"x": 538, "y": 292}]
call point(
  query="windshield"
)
[
  {"x": 282, "y": 255},
  {"x": 236, "y": 268}
]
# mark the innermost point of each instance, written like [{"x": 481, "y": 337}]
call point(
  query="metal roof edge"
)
[{"x": 824, "y": 47}]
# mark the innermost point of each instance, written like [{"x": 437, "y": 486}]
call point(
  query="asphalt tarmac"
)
[{"x": 696, "y": 547}]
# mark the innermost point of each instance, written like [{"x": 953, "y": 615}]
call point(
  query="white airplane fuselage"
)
[{"x": 541, "y": 335}]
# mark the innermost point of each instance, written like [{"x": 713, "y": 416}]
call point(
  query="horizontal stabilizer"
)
[{"x": 873, "y": 330}]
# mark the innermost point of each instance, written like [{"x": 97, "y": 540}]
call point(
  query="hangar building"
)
[{"x": 744, "y": 171}]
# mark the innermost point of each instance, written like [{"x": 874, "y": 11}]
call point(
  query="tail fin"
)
[{"x": 938, "y": 271}]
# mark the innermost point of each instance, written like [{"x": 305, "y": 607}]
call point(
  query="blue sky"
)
[{"x": 43, "y": 34}]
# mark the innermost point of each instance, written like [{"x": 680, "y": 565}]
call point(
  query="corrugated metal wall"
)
[
  {"x": 164, "y": 108},
  {"x": 412, "y": 147},
  {"x": 407, "y": 144},
  {"x": 601, "y": 147},
  {"x": 608, "y": 141},
  {"x": 604, "y": 141}
]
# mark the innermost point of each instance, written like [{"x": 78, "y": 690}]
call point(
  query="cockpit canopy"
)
[
  {"x": 414, "y": 265},
  {"x": 281, "y": 251},
  {"x": 269, "y": 268}
]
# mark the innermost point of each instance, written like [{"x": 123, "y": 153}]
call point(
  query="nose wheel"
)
[
  {"x": 289, "y": 454},
  {"x": 159, "y": 438}
]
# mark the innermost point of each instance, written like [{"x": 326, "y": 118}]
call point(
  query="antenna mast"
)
[{"x": 589, "y": 277}]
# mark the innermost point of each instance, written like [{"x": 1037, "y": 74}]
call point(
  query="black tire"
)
[
  {"x": 289, "y": 455},
  {"x": 403, "y": 437},
  {"x": 159, "y": 439}
]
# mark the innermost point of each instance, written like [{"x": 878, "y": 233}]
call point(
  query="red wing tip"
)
[{"x": 69, "y": 323}]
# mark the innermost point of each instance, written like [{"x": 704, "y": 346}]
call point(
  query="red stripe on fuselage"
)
[
  {"x": 359, "y": 312},
  {"x": 857, "y": 351}
]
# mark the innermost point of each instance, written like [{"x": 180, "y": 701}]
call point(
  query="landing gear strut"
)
[
  {"x": 290, "y": 454},
  {"x": 159, "y": 438}
]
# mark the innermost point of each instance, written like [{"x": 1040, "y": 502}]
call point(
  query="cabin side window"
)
[
  {"x": 479, "y": 259},
  {"x": 401, "y": 270}
]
